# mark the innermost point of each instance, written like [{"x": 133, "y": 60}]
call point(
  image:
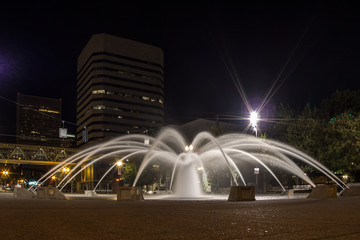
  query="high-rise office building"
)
[
  {"x": 38, "y": 120},
  {"x": 120, "y": 88}
]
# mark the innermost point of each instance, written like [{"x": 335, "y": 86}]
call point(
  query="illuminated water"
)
[{"x": 189, "y": 164}]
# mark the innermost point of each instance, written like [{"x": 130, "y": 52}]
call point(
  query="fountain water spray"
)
[{"x": 189, "y": 164}]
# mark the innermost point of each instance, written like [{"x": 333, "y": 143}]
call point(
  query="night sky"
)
[{"x": 39, "y": 45}]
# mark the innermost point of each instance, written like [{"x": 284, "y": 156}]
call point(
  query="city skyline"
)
[{"x": 40, "y": 44}]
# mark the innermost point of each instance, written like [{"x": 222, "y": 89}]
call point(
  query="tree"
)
[
  {"x": 340, "y": 102},
  {"x": 343, "y": 149},
  {"x": 334, "y": 142}
]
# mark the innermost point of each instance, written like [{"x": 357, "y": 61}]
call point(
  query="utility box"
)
[
  {"x": 242, "y": 193},
  {"x": 129, "y": 194}
]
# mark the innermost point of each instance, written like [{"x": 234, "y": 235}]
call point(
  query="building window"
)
[
  {"x": 48, "y": 110},
  {"x": 99, "y": 107},
  {"x": 98, "y": 91}
]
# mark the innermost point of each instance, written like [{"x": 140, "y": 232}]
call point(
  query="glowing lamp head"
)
[
  {"x": 119, "y": 163},
  {"x": 189, "y": 148},
  {"x": 253, "y": 118}
]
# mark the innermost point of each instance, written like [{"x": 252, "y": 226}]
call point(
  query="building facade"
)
[
  {"x": 38, "y": 120},
  {"x": 120, "y": 88}
]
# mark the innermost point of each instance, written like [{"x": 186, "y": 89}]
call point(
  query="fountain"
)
[{"x": 190, "y": 164}]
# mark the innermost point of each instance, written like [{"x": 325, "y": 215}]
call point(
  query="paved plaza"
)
[{"x": 152, "y": 219}]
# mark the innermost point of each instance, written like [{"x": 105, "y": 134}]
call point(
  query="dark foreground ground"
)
[{"x": 105, "y": 219}]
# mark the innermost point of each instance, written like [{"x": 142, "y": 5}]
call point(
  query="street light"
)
[
  {"x": 256, "y": 172},
  {"x": 119, "y": 164},
  {"x": 253, "y": 121},
  {"x": 189, "y": 148},
  {"x": 5, "y": 173}
]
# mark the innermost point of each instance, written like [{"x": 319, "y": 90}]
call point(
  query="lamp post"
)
[
  {"x": 54, "y": 179},
  {"x": 253, "y": 121},
  {"x": 120, "y": 180},
  {"x": 256, "y": 172},
  {"x": 119, "y": 164},
  {"x": 66, "y": 170},
  {"x": 5, "y": 174}
]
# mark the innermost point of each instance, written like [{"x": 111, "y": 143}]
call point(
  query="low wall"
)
[
  {"x": 23, "y": 193},
  {"x": 324, "y": 191},
  {"x": 242, "y": 193},
  {"x": 50, "y": 193},
  {"x": 352, "y": 191},
  {"x": 129, "y": 194}
]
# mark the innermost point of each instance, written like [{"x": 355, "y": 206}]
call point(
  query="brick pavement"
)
[{"x": 107, "y": 219}]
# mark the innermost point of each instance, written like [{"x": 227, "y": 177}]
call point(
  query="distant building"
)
[
  {"x": 120, "y": 88},
  {"x": 38, "y": 120}
]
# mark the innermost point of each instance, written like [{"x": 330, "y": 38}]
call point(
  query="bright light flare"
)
[
  {"x": 190, "y": 147},
  {"x": 119, "y": 163},
  {"x": 254, "y": 118}
]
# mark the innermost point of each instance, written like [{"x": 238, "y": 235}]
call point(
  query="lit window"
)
[
  {"x": 135, "y": 126},
  {"x": 99, "y": 107},
  {"x": 98, "y": 91},
  {"x": 161, "y": 101},
  {"x": 120, "y": 117},
  {"x": 48, "y": 110},
  {"x": 145, "y": 98},
  {"x": 153, "y": 100},
  {"x": 110, "y": 92}
]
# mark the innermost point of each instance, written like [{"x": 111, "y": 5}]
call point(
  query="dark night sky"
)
[{"x": 39, "y": 45}]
